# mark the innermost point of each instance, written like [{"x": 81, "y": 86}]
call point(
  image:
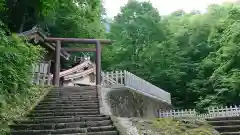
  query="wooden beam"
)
[
  {"x": 79, "y": 49},
  {"x": 78, "y": 40},
  {"x": 56, "y": 76}
]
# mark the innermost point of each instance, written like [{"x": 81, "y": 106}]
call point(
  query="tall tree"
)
[{"x": 194, "y": 56}]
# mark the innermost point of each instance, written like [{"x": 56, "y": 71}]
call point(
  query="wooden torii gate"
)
[{"x": 59, "y": 41}]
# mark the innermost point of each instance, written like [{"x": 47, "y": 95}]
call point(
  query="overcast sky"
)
[{"x": 164, "y": 6}]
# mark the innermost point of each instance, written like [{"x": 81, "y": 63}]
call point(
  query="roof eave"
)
[{"x": 35, "y": 31}]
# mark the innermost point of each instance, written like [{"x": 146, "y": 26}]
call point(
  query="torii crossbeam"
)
[{"x": 59, "y": 41}]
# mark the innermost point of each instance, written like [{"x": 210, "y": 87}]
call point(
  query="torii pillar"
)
[{"x": 98, "y": 63}]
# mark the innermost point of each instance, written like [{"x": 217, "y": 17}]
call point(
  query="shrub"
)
[
  {"x": 16, "y": 59},
  {"x": 17, "y": 95}
]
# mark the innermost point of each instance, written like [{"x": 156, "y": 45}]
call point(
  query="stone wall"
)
[{"x": 123, "y": 102}]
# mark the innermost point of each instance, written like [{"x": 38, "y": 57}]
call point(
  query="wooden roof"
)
[{"x": 38, "y": 36}]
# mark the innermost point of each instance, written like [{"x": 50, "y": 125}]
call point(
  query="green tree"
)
[{"x": 194, "y": 56}]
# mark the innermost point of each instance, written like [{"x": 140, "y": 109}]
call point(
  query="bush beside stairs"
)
[
  {"x": 226, "y": 125},
  {"x": 66, "y": 111}
]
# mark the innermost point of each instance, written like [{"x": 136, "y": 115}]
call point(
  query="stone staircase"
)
[
  {"x": 226, "y": 125},
  {"x": 66, "y": 111}
]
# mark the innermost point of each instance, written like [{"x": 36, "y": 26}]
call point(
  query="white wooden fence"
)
[
  {"x": 213, "y": 112},
  {"x": 127, "y": 79},
  {"x": 41, "y": 74},
  {"x": 178, "y": 113},
  {"x": 113, "y": 78}
]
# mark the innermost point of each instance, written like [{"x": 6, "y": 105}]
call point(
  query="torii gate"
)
[{"x": 59, "y": 41}]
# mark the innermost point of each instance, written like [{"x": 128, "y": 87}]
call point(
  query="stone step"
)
[
  {"x": 90, "y": 133},
  {"x": 66, "y": 107},
  {"x": 69, "y": 96},
  {"x": 89, "y": 116},
  {"x": 98, "y": 123},
  {"x": 41, "y": 120},
  {"x": 224, "y": 122},
  {"x": 104, "y": 133},
  {"x": 63, "y": 105},
  {"x": 82, "y": 88},
  {"x": 48, "y": 132},
  {"x": 63, "y": 114},
  {"x": 232, "y": 128},
  {"x": 65, "y": 110},
  {"x": 77, "y": 88},
  {"x": 230, "y": 133},
  {"x": 224, "y": 118},
  {"x": 68, "y": 102},
  {"x": 70, "y": 99},
  {"x": 64, "y": 131},
  {"x": 95, "y": 133},
  {"x": 43, "y": 126},
  {"x": 48, "y": 126},
  {"x": 101, "y": 128},
  {"x": 72, "y": 94}
]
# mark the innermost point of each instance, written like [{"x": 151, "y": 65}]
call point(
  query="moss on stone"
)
[
  {"x": 173, "y": 126},
  {"x": 15, "y": 107}
]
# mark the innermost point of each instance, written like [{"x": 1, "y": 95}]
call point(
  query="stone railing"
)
[
  {"x": 129, "y": 80},
  {"x": 213, "y": 112}
]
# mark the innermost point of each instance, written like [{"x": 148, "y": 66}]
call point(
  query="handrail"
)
[
  {"x": 143, "y": 86},
  {"x": 134, "y": 82}
]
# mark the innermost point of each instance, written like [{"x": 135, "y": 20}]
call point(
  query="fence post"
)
[
  {"x": 38, "y": 75},
  {"x": 32, "y": 74},
  {"x": 125, "y": 76},
  {"x": 103, "y": 78},
  {"x": 107, "y": 78},
  {"x": 116, "y": 77},
  {"x": 121, "y": 77},
  {"x": 49, "y": 79},
  {"x": 112, "y": 75}
]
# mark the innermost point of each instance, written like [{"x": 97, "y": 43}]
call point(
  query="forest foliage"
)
[
  {"x": 74, "y": 18},
  {"x": 194, "y": 56},
  {"x": 63, "y": 18}
]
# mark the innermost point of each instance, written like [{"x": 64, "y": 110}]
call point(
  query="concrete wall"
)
[{"x": 128, "y": 103}]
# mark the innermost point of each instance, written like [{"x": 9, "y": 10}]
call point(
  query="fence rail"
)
[
  {"x": 113, "y": 78},
  {"x": 132, "y": 81},
  {"x": 213, "y": 112},
  {"x": 41, "y": 74},
  {"x": 42, "y": 79}
]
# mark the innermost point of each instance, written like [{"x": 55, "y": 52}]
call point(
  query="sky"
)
[{"x": 165, "y": 7}]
